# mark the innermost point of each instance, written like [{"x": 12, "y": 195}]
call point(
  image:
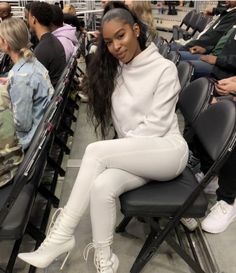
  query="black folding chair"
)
[
  {"x": 164, "y": 49},
  {"x": 185, "y": 73},
  {"x": 173, "y": 56},
  {"x": 185, "y": 25},
  {"x": 183, "y": 196},
  {"x": 193, "y": 100},
  {"x": 17, "y": 198}
]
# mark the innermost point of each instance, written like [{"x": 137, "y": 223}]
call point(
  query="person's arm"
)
[
  {"x": 211, "y": 59},
  {"x": 227, "y": 62},
  {"x": 161, "y": 115},
  {"x": 21, "y": 97},
  {"x": 226, "y": 86}
]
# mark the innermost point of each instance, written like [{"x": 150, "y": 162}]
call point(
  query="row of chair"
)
[
  {"x": 18, "y": 199},
  {"x": 191, "y": 24}
]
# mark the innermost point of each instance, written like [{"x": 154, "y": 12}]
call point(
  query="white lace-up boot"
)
[
  {"x": 221, "y": 216},
  {"x": 59, "y": 240},
  {"x": 104, "y": 260}
]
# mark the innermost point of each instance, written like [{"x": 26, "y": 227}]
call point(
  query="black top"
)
[
  {"x": 73, "y": 21},
  {"x": 221, "y": 26},
  {"x": 51, "y": 54},
  {"x": 226, "y": 62}
]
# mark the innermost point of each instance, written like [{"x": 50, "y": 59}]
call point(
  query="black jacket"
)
[
  {"x": 210, "y": 38},
  {"x": 226, "y": 62}
]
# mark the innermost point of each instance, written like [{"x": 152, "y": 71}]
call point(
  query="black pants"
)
[
  {"x": 227, "y": 174},
  {"x": 227, "y": 180}
]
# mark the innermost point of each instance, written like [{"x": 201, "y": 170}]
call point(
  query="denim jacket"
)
[{"x": 30, "y": 91}]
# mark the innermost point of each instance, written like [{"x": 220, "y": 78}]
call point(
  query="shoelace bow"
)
[{"x": 96, "y": 260}]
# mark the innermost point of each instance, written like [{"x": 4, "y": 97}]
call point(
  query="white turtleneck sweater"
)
[{"x": 145, "y": 96}]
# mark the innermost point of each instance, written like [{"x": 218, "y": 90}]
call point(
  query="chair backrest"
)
[
  {"x": 159, "y": 41},
  {"x": 185, "y": 73},
  {"x": 173, "y": 56},
  {"x": 195, "y": 98},
  {"x": 202, "y": 22},
  {"x": 215, "y": 129},
  {"x": 194, "y": 20},
  {"x": 188, "y": 18},
  {"x": 164, "y": 49}
]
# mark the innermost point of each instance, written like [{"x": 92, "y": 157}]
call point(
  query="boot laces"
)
[
  {"x": 98, "y": 259},
  {"x": 52, "y": 229}
]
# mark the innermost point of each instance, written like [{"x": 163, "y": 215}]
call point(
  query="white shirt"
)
[{"x": 145, "y": 96}]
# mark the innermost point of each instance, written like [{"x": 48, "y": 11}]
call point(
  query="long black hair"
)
[{"x": 103, "y": 68}]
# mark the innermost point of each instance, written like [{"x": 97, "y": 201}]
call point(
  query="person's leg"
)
[
  {"x": 187, "y": 56},
  {"x": 153, "y": 158},
  {"x": 224, "y": 211},
  {"x": 107, "y": 186},
  {"x": 227, "y": 177},
  {"x": 175, "y": 46},
  {"x": 201, "y": 69}
]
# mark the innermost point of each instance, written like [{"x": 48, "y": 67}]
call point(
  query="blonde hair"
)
[
  {"x": 15, "y": 32},
  {"x": 70, "y": 9},
  {"x": 143, "y": 10}
]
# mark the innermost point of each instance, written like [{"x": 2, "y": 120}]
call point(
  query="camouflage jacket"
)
[{"x": 11, "y": 154}]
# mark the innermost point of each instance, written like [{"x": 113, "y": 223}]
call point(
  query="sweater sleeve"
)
[{"x": 161, "y": 115}]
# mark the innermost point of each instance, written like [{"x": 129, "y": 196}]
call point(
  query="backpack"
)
[{"x": 11, "y": 153}]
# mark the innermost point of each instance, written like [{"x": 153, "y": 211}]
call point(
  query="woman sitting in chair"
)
[
  {"x": 136, "y": 88},
  {"x": 29, "y": 87}
]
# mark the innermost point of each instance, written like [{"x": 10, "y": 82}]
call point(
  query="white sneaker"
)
[
  {"x": 221, "y": 216},
  {"x": 190, "y": 223}
]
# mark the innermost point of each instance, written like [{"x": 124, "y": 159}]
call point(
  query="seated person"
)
[
  {"x": 30, "y": 88},
  {"x": 149, "y": 144},
  {"x": 221, "y": 63},
  {"x": 208, "y": 39},
  {"x": 5, "y": 10},
  {"x": 69, "y": 9},
  {"x": 49, "y": 50},
  {"x": 33, "y": 39},
  {"x": 64, "y": 33},
  {"x": 70, "y": 18},
  {"x": 11, "y": 154},
  {"x": 223, "y": 213}
]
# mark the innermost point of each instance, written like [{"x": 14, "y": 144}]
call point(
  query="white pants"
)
[{"x": 112, "y": 167}]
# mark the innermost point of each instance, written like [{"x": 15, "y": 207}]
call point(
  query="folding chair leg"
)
[
  {"x": 14, "y": 253},
  {"x": 67, "y": 128},
  {"x": 49, "y": 195},
  {"x": 145, "y": 253},
  {"x": 63, "y": 146},
  {"x": 195, "y": 266},
  {"x": 121, "y": 227},
  {"x": 55, "y": 166}
]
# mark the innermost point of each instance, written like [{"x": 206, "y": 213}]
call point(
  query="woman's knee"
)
[{"x": 94, "y": 149}]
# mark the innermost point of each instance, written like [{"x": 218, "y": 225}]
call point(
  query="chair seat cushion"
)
[{"x": 162, "y": 199}]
